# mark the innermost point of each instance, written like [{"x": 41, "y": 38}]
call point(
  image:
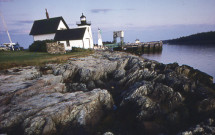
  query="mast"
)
[{"x": 5, "y": 26}]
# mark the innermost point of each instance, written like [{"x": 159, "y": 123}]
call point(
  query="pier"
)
[
  {"x": 137, "y": 47},
  {"x": 146, "y": 47}
]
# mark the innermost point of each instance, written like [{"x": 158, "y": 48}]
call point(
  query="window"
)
[{"x": 67, "y": 43}]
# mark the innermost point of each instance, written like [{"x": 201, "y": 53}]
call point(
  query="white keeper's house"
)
[{"x": 57, "y": 29}]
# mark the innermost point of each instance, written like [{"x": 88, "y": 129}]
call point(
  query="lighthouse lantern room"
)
[{"x": 83, "y": 21}]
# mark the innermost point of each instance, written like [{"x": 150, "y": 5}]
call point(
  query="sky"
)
[{"x": 146, "y": 20}]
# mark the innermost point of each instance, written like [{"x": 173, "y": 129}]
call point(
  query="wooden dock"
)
[{"x": 143, "y": 47}]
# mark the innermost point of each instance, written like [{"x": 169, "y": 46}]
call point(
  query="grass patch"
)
[{"x": 25, "y": 58}]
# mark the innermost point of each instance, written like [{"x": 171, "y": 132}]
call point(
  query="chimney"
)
[{"x": 47, "y": 14}]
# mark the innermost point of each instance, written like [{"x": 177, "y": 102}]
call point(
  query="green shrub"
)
[
  {"x": 39, "y": 46},
  {"x": 78, "y": 49}
]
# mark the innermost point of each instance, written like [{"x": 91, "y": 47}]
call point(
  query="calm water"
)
[{"x": 199, "y": 57}]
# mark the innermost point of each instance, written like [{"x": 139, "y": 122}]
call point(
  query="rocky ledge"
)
[{"x": 107, "y": 93}]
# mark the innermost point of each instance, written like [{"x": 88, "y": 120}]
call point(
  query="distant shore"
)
[{"x": 206, "y": 38}]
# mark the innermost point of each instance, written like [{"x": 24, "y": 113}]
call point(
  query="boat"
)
[
  {"x": 10, "y": 46},
  {"x": 3, "y": 48}
]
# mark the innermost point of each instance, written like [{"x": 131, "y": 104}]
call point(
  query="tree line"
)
[{"x": 198, "y": 39}]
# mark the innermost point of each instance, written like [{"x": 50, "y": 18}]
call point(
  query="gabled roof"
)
[
  {"x": 70, "y": 34},
  {"x": 46, "y": 26}
]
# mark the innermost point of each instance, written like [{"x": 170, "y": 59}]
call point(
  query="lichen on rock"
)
[{"x": 106, "y": 92}]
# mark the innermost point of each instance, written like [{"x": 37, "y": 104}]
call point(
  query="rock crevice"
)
[{"x": 116, "y": 92}]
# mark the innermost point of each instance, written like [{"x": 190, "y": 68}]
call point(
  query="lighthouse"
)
[
  {"x": 57, "y": 29},
  {"x": 100, "y": 44},
  {"x": 88, "y": 34}
]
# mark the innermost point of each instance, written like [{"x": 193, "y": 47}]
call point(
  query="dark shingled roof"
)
[
  {"x": 71, "y": 34},
  {"x": 46, "y": 26}
]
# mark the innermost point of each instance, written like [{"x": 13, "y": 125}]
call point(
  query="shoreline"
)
[
  {"x": 198, "y": 57},
  {"x": 106, "y": 92}
]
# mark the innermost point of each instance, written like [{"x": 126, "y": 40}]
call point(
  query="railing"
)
[
  {"x": 83, "y": 23},
  {"x": 112, "y": 45},
  {"x": 144, "y": 43}
]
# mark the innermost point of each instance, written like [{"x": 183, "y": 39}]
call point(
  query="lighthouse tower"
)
[
  {"x": 100, "y": 44},
  {"x": 88, "y": 34}
]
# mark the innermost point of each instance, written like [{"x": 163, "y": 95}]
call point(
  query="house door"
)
[{"x": 87, "y": 43}]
